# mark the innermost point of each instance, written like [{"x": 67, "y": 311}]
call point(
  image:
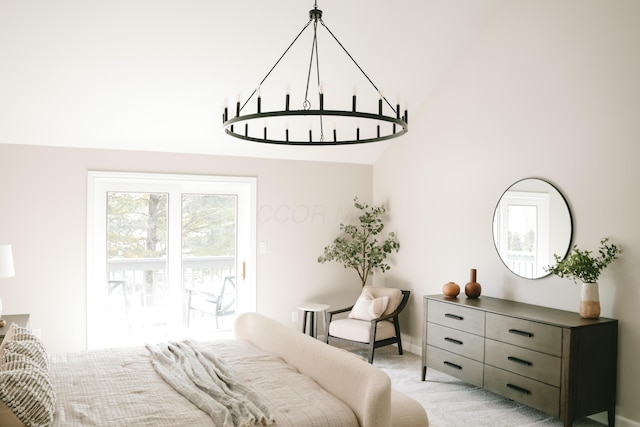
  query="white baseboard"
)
[
  {"x": 412, "y": 348},
  {"x": 620, "y": 421}
]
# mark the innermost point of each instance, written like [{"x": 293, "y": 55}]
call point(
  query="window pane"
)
[
  {"x": 209, "y": 260},
  {"x": 522, "y": 226},
  {"x": 136, "y": 297}
]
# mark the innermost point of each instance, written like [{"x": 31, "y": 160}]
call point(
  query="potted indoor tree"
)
[
  {"x": 582, "y": 266},
  {"x": 358, "y": 248}
]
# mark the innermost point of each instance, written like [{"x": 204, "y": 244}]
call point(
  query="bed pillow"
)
[
  {"x": 27, "y": 390},
  {"x": 23, "y": 341},
  {"x": 367, "y": 307},
  {"x": 18, "y": 333},
  {"x": 7, "y": 339},
  {"x": 33, "y": 350}
]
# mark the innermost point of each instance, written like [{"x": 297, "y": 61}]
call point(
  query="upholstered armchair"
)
[{"x": 372, "y": 321}]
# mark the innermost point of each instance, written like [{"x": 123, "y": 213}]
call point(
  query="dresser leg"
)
[
  {"x": 611, "y": 413},
  {"x": 424, "y": 373}
]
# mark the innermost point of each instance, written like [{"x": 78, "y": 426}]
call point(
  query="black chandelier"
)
[{"x": 376, "y": 126}]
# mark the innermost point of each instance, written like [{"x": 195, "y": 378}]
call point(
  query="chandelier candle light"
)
[{"x": 383, "y": 127}]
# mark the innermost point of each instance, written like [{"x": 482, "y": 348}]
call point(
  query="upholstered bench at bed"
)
[{"x": 368, "y": 389}]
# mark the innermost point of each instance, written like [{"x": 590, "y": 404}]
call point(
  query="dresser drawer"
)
[
  {"x": 455, "y": 341},
  {"x": 524, "y": 333},
  {"x": 529, "y": 392},
  {"x": 532, "y": 364},
  {"x": 466, "y": 369},
  {"x": 456, "y": 316}
]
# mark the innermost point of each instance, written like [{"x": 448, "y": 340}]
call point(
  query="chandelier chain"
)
[
  {"x": 276, "y": 64},
  {"x": 314, "y": 49},
  {"x": 358, "y": 65}
]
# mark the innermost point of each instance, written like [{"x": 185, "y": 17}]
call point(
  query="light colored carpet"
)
[{"x": 453, "y": 403}]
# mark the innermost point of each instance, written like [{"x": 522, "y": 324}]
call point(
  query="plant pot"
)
[{"x": 589, "y": 301}]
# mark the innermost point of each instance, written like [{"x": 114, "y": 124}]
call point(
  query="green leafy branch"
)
[
  {"x": 358, "y": 247},
  {"x": 581, "y": 265}
]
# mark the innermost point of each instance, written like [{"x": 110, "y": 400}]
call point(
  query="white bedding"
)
[{"x": 119, "y": 387}]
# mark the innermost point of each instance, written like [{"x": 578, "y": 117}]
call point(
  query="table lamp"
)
[{"x": 6, "y": 268}]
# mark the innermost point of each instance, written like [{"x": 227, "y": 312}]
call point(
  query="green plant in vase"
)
[
  {"x": 580, "y": 265},
  {"x": 358, "y": 247}
]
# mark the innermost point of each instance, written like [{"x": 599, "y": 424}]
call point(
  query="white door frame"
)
[{"x": 99, "y": 182}]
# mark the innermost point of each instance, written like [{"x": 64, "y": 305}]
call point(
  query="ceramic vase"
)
[
  {"x": 589, "y": 301},
  {"x": 451, "y": 290},
  {"x": 473, "y": 288}
]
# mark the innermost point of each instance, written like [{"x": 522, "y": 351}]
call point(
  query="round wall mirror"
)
[{"x": 531, "y": 223}]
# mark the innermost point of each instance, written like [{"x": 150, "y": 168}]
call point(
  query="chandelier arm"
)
[
  {"x": 358, "y": 65},
  {"x": 276, "y": 64}
]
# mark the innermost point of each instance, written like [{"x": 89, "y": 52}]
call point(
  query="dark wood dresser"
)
[{"x": 548, "y": 359}]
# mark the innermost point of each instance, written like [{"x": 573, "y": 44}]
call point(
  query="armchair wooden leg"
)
[
  {"x": 304, "y": 322},
  {"x": 396, "y": 325},
  {"x": 372, "y": 340},
  {"x": 327, "y": 322}
]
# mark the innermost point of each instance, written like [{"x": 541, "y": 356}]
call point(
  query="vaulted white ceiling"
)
[{"x": 156, "y": 74}]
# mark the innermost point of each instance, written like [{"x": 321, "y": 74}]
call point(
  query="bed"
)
[{"x": 273, "y": 376}]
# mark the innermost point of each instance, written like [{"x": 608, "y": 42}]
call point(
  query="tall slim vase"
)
[
  {"x": 589, "y": 301},
  {"x": 473, "y": 288}
]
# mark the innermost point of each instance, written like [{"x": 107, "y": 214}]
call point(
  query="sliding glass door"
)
[{"x": 169, "y": 256}]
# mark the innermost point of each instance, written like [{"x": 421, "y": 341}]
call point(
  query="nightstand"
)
[{"x": 19, "y": 319}]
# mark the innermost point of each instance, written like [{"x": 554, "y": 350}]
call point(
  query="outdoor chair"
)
[{"x": 213, "y": 304}]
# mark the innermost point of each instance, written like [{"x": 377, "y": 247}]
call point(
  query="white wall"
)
[
  {"x": 43, "y": 200},
  {"x": 550, "y": 89}
]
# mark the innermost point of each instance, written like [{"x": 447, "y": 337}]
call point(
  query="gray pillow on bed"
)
[
  {"x": 24, "y": 374},
  {"x": 33, "y": 350}
]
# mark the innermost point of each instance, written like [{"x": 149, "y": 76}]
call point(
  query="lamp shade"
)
[{"x": 6, "y": 262}]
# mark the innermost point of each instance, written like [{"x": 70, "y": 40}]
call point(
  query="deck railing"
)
[{"x": 149, "y": 275}]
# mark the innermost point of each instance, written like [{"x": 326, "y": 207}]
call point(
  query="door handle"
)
[{"x": 244, "y": 270}]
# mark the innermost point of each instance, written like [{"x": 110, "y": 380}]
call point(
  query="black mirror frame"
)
[{"x": 566, "y": 202}]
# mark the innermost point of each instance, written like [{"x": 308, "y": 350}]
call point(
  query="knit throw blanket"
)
[{"x": 203, "y": 378}]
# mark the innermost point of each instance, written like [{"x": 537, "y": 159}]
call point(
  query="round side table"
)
[{"x": 312, "y": 310}]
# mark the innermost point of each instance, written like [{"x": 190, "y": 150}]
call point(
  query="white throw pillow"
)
[{"x": 367, "y": 307}]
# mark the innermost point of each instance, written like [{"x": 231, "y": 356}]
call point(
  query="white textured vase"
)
[{"x": 589, "y": 301}]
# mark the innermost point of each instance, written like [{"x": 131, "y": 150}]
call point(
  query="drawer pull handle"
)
[
  {"x": 520, "y": 389},
  {"x": 454, "y": 341},
  {"x": 453, "y": 365},
  {"x": 521, "y": 333},
  {"x": 520, "y": 361},
  {"x": 453, "y": 316}
]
